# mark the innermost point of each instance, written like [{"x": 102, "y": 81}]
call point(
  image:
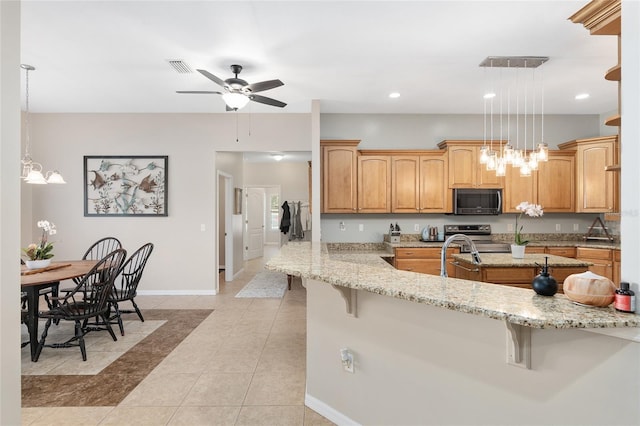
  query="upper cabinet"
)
[
  {"x": 465, "y": 170},
  {"x": 419, "y": 183},
  {"x": 551, "y": 186},
  {"x": 374, "y": 184},
  {"x": 339, "y": 176},
  {"x": 597, "y": 189}
]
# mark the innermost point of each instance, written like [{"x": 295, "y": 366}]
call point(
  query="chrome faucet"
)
[{"x": 475, "y": 256}]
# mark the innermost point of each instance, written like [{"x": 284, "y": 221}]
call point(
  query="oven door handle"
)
[{"x": 499, "y": 201}]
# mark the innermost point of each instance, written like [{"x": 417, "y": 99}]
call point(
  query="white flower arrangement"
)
[{"x": 531, "y": 210}]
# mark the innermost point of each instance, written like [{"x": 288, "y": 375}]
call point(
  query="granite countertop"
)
[
  {"x": 517, "y": 305},
  {"x": 535, "y": 243},
  {"x": 530, "y": 260}
]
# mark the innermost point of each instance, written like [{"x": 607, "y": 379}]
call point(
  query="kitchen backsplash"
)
[{"x": 371, "y": 228}]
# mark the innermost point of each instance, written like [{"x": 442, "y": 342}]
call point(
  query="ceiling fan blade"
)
[
  {"x": 268, "y": 101},
  {"x": 212, "y": 77},
  {"x": 198, "y": 92},
  {"x": 264, "y": 85}
]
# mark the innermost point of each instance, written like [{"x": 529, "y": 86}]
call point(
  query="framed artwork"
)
[{"x": 125, "y": 185}]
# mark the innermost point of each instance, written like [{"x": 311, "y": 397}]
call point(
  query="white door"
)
[{"x": 255, "y": 222}]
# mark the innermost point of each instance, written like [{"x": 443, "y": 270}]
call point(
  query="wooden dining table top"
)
[{"x": 55, "y": 272}]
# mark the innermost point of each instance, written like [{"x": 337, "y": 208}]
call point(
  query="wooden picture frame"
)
[{"x": 130, "y": 185}]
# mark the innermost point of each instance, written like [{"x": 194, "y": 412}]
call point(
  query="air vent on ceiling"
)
[{"x": 180, "y": 66}]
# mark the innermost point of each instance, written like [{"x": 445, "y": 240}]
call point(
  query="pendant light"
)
[
  {"x": 32, "y": 171},
  {"x": 518, "y": 157}
]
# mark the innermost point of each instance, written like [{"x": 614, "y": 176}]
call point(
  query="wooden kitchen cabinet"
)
[
  {"x": 425, "y": 260},
  {"x": 597, "y": 188},
  {"x": 616, "y": 268},
  {"x": 602, "y": 260},
  {"x": 419, "y": 183},
  {"x": 551, "y": 186},
  {"x": 374, "y": 184},
  {"x": 465, "y": 170},
  {"x": 562, "y": 251},
  {"x": 339, "y": 176}
]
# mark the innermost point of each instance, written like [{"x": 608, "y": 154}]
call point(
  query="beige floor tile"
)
[
  {"x": 218, "y": 389},
  {"x": 31, "y": 414},
  {"x": 233, "y": 361},
  {"x": 271, "y": 416},
  {"x": 95, "y": 363},
  {"x": 277, "y": 388},
  {"x": 139, "y": 416},
  {"x": 205, "y": 416},
  {"x": 311, "y": 418},
  {"x": 73, "y": 416},
  {"x": 158, "y": 390}
]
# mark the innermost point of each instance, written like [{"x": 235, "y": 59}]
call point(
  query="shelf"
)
[
  {"x": 612, "y": 168},
  {"x": 613, "y": 74},
  {"x": 613, "y": 121}
]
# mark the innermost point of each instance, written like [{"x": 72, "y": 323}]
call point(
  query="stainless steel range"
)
[{"x": 481, "y": 237}]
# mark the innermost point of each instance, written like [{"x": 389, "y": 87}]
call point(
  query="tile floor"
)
[{"x": 244, "y": 364}]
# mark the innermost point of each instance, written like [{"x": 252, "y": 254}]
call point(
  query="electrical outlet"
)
[
  {"x": 361, "y": 227},
  {"x": 416, "y": 227},
  {"x": 576, "y": 227},
  {"x": 202, "y": 227},
  {"x": 342, "y": 226},
  {"x": 558, "y": 227},
  {"x": 347, "y": 360},
  {"x": 510, "y": 227}
]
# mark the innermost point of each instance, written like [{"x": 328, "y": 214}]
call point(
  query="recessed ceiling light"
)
[
  {"x": 582, "y": 96},
  {"x": 489, "y": 95},
  {"x": 394, "y": 95},
  {"x": 277, "y": 157}
]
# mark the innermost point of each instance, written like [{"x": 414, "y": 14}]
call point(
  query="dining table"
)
[{"x": 34, "y": 280}]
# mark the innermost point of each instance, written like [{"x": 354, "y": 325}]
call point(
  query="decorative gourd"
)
[{"x": 589, "y": 289}]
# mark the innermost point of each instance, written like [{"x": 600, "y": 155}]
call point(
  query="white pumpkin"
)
[{"x": 589, "y": 289}]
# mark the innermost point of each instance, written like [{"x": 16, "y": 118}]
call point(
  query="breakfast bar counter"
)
[{"x": 391, "y": 347}]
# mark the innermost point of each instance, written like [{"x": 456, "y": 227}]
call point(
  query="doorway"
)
[{"x": 224, "y": 206}]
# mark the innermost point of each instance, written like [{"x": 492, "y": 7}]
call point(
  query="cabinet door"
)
[
  {"x": 556, "y": 183},
  {"x": 595, "y": 185},
  {"x": 462, "y": 166},
  {"x": 339, "y": 179},
  {"x": 405, "y": 178},
  {"x": 486, "y": 178},
  {"x": 435, "y": 196},
  {"x": 518, "y": 189},
  {"x": 374, "y": 184}
]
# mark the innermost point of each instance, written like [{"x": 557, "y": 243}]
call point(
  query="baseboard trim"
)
[
  {"x": 177, "y": 292},
  {"x": 327, "y": 411}
]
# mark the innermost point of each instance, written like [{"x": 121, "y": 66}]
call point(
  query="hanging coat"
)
[
  {"x": 285, "y": 223},
  {"x": 299, "y": 232}
]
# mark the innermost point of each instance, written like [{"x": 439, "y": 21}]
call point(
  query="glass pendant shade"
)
[
  {"x": 484, "y": 154},
  {"x": 533, "y": 161},
  {"x": 524, "y": 169},
  {"x": 55, "y": 177},
  {"x": 501, "y": 167},
  {"x": 543, "y": 152},
  {"x": 235, "y": 100},
  {"x": 507, "y": 154},
  {"x": 492, "y": 160}
]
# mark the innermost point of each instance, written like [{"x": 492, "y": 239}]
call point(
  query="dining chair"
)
[
  {"x": 125, "y": 285},
  {"x": 88, "y": 300},
  {"x": 97, "y": 251}
]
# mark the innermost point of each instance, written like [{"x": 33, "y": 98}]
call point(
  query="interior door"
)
[{"x": 255, "y": 222}]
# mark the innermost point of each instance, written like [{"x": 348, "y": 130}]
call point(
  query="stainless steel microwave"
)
[{"x": 474, "y": 201}]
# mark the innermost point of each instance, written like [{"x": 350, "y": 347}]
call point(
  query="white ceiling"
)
[{"x": 111, "y": 56}]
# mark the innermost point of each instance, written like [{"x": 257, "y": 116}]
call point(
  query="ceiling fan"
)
[{"x": 237, "y": 92}]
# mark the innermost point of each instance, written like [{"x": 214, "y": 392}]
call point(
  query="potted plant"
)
[
  {"x": 39, "y": 255},
  {"x": 531, "y": 210}
]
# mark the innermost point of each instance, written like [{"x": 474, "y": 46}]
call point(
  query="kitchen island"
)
[
  {"x": 433, "y": 350},
  {"x": 502, "y": 268}
]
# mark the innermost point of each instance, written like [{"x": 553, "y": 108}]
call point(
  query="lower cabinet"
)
[
  {"x": 425, "y": 260},
  {"x": 602, "y": 260},
  {"x": 562, "y": 251}
]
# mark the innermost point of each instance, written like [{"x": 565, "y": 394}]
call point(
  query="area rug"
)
[
  {"x": 265, "y": 284},
  {"x": 111, "y": 385}
]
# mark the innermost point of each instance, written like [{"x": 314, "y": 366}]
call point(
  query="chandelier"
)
[
  {"x": 32, "y": 171},
  {"x": 511, "y": 112}
]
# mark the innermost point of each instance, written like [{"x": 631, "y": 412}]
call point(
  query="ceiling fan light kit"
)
[{"x": 238, "y": 92}]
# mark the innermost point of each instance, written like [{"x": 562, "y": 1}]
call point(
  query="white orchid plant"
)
[
  {"x": 42, "y": 250},
  {"x": 531, "y": 210}
]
